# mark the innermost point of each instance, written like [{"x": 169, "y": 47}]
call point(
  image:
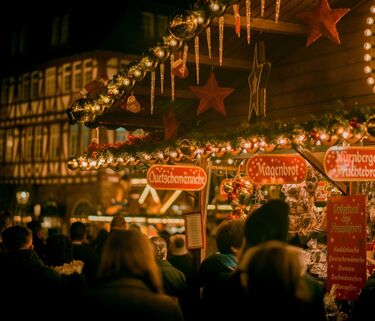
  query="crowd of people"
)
[{"x": 254, "y": 274}]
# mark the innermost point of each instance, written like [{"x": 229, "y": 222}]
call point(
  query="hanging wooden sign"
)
[
  {"x": 350, "y": 163},
  {"x": 276, "y": 169},
  {"x": 175, "y": 177}
]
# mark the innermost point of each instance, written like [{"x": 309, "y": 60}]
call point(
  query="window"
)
[
  {"x": 9, "y": 146},
  {"x": 77, "y": 76},
  {"x": 67, "y": 78},
  {"x": 54, "y": 143},
  {"x": 4, "y": 91},
  {"x": 26, "y": 86},
  {"x": 29, "y": 143},
  {"x": 35, "y": 84},
  {"x": 38, "y": 143},
  {"x": 73, "y": 139},
  {"x": 60, "y": 30},
  {"x": 121, "y": 135},
  {"x": 50, "y": 83},
  {"x": 87, "y": 71},
  {"x": 161, "y": 25},
  {"x": 86, "y": 137},
  {"x": 148, "y": 26}
]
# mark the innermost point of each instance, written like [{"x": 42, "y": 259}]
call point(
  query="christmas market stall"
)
[{"x": 276, "y": 100}]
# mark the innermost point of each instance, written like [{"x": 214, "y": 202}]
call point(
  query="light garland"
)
[
  {"x": 368, "y": 46},
  {"x": 328, "y": 131}
]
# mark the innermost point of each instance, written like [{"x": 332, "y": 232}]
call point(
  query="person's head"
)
[
  {"x": 36, "y": 228},
  {"x": 229, "y": 236},
  {"x": 177, "y": 245},
  {"x": 272, "y": 268},
  {"x": 118, "y": 223},
  {"x": 268, "y": 222},
  {"x": 5, "y": 220},
  {"x": 135, "y": 227},
  {"x": 78, "y": 231},
  {"x": 59, "y": 250},
  {"x": 130, "y": 254},
  {"x": 160, "y": 247},
  {"x": 17, "y": 238}
]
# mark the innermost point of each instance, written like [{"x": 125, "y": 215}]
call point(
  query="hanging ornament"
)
[
  {"x": 228, "y": 187},
  {"x": 208, "y": 36},
  {"x": 72, "y": 163},
  {"x": 136, "y": 71},
  {"x": 160, "y": 52},
  {"x": 124, "y": 82},
  {"x": 277, "y": 10},
  {"x": 216, "y": 8},
  {"x": 203, "y": 19},
  {"x": 149, "y": 62},
  {"x": 80, "y": 111},
  {"x": 196, "y": 51},
  {"x": 172, "y": 76},
  {"x": 133, "y": 105},
  {"x": 152, "y": 93},
  {"x": 322, "y": 21},
  {"x": 179, "y": 69},
  {"x": 221, "y": 39},
  {"x": 371, "y": 126},
  {"x": 184, "y": 25},
  {"x": 186, "y": 147},
  {"x": 185, "y": 54},
  {"x": 162, "y": 77},
  {"x": 237, "y": 20},
  {"x": 248, "y": 20},
  {"x": 170, "y": 41},
  {"x": 262, "y": 6}
]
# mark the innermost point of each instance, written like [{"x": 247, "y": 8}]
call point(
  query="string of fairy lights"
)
[{"x": 368, "y": 46}]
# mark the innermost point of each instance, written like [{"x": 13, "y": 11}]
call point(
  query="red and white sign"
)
[
  {"x": 173, "y": 177},
  {"x": 346, "y": 234},
  {"x": 350, "y": 163},
  {"x": 276, "y": 169}
]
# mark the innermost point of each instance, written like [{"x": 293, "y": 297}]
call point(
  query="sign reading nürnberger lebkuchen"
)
[
  {"x": 350, "y": 163},
  {"x": 276, "y": 169},
  {"x": 173, "y": 177}
]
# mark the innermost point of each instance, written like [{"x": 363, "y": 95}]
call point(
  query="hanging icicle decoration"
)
[
  {"x": 208, "y": 36},
  {"x": 221, "y": 39},
  {"x": 184, "y": 56},
  {"x": 172, "y": 76},
  {"x": 196, "y": 49},
  {"x": 277, "y": 10},
  {"x": 237, "y": 19},
  {"x": 152, "y": 94},
  {"x": 162, "y": 78},
  {"x": 248, "y": 20},
  {"x": 262, "y": 6}
]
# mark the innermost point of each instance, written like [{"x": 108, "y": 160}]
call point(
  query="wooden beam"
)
[{"x": 267, "y": 25}]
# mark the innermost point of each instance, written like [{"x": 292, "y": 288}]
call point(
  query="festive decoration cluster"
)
[{"x": 340, "y": 127}]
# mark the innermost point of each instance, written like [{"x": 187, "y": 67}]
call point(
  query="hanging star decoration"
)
[
  {"x": 170, "y": 124},
  {"x": 258, "y": 82},
  {"x": 211, "y": 96},
  {"x": 322, "y": 21}
]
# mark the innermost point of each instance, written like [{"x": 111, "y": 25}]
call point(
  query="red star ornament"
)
[
  {"x": 211, "y": 96},
  {"x": 170, "y": 124},
  {"x": 322, "y": 21}
]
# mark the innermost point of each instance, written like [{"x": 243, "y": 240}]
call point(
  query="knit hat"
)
[{"x": 178, "y": 245}]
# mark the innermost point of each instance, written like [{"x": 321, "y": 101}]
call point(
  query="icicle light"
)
[
  {"x": 184, "y": 56},
  {"x": 152, "y": 94},
  {"x": 248, "y": 20},
  {"x": 237, "y": 19},
  {"x": 277, "y": 10},
  {"x": 172, "y": 76},
  {"x": 161, "y": 78},
  {"x": 196, "y": 52},
  {"x": 208, "y": 36},
  {"x": 221, "y": 39},
  {"x": 262, "y": 6}
]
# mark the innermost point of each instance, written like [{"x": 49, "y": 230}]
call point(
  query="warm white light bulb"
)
[
  {"x": 372, "y": 9},
  {"x": 370, "y": 80},
  {"x": 367, "y": 69},
  {"x": 367, "y": 46},
  {"x": 367, "y": 57},
  {"x": 370, "y": 20},
  {"x": 368, "y": 32}
]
